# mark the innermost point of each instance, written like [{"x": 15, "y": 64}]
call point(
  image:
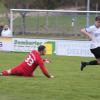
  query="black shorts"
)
[{"x": 96, "y": 52}]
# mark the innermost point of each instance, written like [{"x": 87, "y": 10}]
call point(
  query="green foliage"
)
[
  {"x": 95, "y": 4},
  {"x": 39, "y": 4},
  {"x": 47, "y": 4}
]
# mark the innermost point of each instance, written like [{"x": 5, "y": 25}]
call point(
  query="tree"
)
[{"x": 94, "y": 4}]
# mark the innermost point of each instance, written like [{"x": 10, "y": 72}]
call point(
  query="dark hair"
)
[
  {"x": 97, "y": 18},
  {"x": 41, "y": 48}
]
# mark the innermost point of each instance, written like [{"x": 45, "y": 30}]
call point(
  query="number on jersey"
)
[{"x": 29, "y": 60}]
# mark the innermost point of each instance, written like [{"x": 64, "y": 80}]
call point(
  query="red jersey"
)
[{"x": 27, "y": 67}]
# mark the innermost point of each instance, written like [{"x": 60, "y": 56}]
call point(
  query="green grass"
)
[
  {"x": 2, "y": 8},
  {"x": 69, "y": 82},
  {"x": 3, "y": 19}
]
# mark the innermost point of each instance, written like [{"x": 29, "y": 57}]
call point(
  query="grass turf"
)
[{"x": 69, "y": 82}]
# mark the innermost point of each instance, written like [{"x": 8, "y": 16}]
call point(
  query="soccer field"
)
[{"x": 69, "y": 82}]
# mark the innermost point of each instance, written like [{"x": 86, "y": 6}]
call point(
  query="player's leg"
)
[
  {"x": 13, "y": 71},
  {"x": 98, "y": 61},
  {"x": 0, "y": 74},
  {"x": 96, "y": 53},
  {"x": 5, "y": 73},
  {"x": 17, "y": 71},
  {"x": 84, "y": 64}
]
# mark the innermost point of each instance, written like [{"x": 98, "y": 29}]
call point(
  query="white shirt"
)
[
  {"x": 95, "y": 32},
  {"x": 6, "y": 33}
]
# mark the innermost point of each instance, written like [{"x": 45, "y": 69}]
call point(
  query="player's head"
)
[
  {"x": 6, "y": 27},
  {"x": 97, "y": 21},
  {"x": 42, "y": 49}
]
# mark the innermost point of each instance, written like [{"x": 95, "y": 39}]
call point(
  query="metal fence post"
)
[{"x": 46, "y": 26}]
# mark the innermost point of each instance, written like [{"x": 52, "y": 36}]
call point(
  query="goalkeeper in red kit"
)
[{"x": 28, "y": 66}]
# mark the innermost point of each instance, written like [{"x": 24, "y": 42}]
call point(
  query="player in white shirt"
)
[{"x": 93, "y": 33}]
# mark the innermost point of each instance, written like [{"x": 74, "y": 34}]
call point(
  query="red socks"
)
[{"x": 5, "y": 73}]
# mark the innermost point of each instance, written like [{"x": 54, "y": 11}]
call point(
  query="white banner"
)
[
  {"x": 6, "y": 44},
  {"x": 60, "y": 47},
  {"x": 73, "y": 48}
]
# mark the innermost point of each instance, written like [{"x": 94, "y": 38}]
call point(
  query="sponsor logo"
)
[
  {"x": 27, "y": 45},
  {"x": 26, "y": 42}
]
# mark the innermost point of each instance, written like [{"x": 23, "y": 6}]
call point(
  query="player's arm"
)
[
  {"x": 44, "y": 69},
  {"x": 86, "y": 33}
]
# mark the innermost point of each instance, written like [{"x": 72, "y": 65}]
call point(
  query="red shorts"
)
[{"x": 17, "y": 72}]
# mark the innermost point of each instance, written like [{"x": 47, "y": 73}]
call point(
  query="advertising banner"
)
[
  {"x": 27, "y": 45},
  {"x": 58, "y": 47},
  {"x": 73, "y": 48},
  {"x": 6, "y": 44}
]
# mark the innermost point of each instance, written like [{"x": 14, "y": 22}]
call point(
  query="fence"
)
[{"x": 56, "y": 22}]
